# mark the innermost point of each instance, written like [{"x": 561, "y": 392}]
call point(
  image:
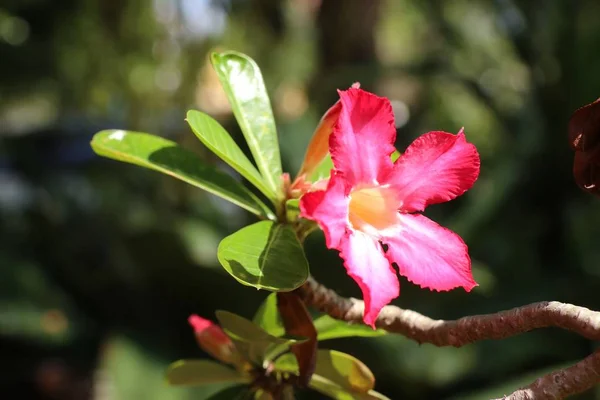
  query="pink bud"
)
[
  {"x": 319, "y": 144},
  {"x": 213, "y": 340}
]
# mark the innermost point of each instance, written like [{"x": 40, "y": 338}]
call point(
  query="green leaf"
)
[
  {"x": 268, "y": 318},
  {"x": 335, "y": 391},
  {"x": 330, "y": 328},
  {"x": 265, "y": 255},
  {"x": 287, "y": 363},
  {"x": 323, "y": 170},
  {"x": 245, "y": 89},
  {"x": 260, "y": 394},
  {"x": 338, "y": 375},
  {"x": 201, "y": 372},
  {"x": 218, "y": 140},
  {"x": 345, "y": 370},
  {"x": 165, "y": 156},
  {"x": 292, "y": 210},
  {"x": 251, "y": 340},
  {"x": 241, "y": 328}
]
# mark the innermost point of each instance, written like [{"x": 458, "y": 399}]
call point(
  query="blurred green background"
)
[{"x": 101, "y": 262}]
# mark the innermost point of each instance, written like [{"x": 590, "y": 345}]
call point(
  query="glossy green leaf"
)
[
  {"x": 165, "y": 156},
  {"x": 267, "y": 317},
  {"x": 265, "y": 255},
  {"x": 241, "y": 328},
  {"x": 245, "y": 89},
  {"x": 345, "y": 370},
  {"x": 201, "y": 372},
  {"x": 251, "y": 340},
  {"x": 335, "y": 391},
  {"x": 330, "y": 328},
  {"x": 218, "y": 140},
  {"x": 287, "y": 363},
  {"x": 338, "y": 375}
]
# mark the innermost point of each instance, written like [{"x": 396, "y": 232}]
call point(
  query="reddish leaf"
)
[
  {"x": 584, "y": 138},
  {"x": 584, "y": 127},
  {"x": 297, "y": 321}
]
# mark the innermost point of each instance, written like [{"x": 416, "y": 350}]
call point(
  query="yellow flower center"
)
[{"x": 376, "y": 206}]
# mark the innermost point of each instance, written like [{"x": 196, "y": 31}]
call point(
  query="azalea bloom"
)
[
  {"x": 370, "y": 202},
  {"x": 213, "y": 340}
]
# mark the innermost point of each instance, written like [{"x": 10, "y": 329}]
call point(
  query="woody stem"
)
[{"x": 500, "y": 325}]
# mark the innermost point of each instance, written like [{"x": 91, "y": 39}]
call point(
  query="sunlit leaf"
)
[
  {"x": 165, "y": 156},
  {"x": 201, "y": 372},
  {"x": 265, "y": 255},
  {"x": 330, "y": 328},
  {"x": 218, "y": 140},
  {"x": 323, "y": 170},
  {"x": 337, "y": 375},
  {"x": 243, "y": 83},
  {"x": 345, "y": 370},
  {"x": 335, "y": 391},
  {"x": 268, "y": 318},
  {"x": 251, "y": 340},
  {"x": 242, "y": 329}
]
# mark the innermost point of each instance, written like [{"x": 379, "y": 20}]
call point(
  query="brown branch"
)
[{"x": 457, "y": 333}]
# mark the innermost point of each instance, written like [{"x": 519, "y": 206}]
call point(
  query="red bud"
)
[{"x": 213, "y": 340}]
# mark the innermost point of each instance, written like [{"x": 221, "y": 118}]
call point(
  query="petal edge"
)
[
  {"x": 430, "y": 255},
  {"x": 437, "y": 167},
  {"x": 366, "y": 264}
]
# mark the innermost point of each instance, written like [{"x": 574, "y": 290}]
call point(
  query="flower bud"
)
[
  {"x": 213, "y": 340},
  {"x": 319, "y": 144}
]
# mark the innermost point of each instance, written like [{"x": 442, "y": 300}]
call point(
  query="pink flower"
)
[
  {"x": 371, "y": 202},
  {"x": 213, "y": 340}
]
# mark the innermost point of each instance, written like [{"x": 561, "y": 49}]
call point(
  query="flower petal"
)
[
  {"x": 329, "y": 208},
  {"x": 363, "y": 138},
  {"x": 429, "y": 255},
  {"x": 436, "y": 167},
  {"x": 366, "y": 264}
]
